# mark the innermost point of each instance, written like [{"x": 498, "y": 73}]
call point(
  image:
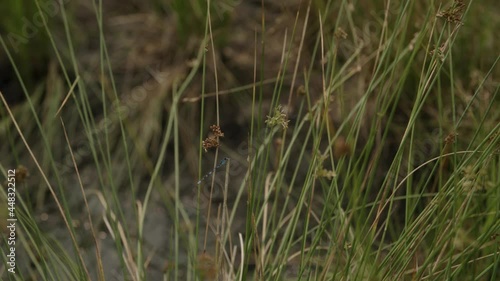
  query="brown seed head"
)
[
  {"x": 206, "y": 267},
  {"x": 341, "y": 147}
]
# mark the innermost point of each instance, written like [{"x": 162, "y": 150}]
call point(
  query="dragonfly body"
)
[{"x": 221, "y": 164}]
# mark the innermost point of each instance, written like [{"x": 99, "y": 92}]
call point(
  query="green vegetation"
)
[{"x": 371, "y": 153}]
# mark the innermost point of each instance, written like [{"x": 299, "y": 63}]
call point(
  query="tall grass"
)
[{"x": 388, "y": 170}]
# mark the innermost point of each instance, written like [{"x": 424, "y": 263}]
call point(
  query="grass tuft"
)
[{"x": 331, "y": 140}]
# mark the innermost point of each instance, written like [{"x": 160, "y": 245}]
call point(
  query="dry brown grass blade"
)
[{"x": 68, "y": 95}]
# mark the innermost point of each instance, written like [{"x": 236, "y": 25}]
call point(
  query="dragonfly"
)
[{"x": 220, "y": 165}]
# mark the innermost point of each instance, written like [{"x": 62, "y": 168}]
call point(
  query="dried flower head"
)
[
  {"x": 475, "y": 179},
  {"x": 324, "y": 173},
  {"x": 321, "y": 172},
  {"x": 216, "y": 131},
  {"x": 340, "y": 33},
  {"x": 212, "y": 141},
  {"x": 341, "y": 147},
  {"x": 278, "y": 119},
  {"x": 301, "y": 91},
  {"x": 21, "y": 173},
  {"x": 454, "y": 13},
  {"x": 439, "y": 51},
  {"x": 450, "y": 138},
  {"x": 206, "y": 267}
]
